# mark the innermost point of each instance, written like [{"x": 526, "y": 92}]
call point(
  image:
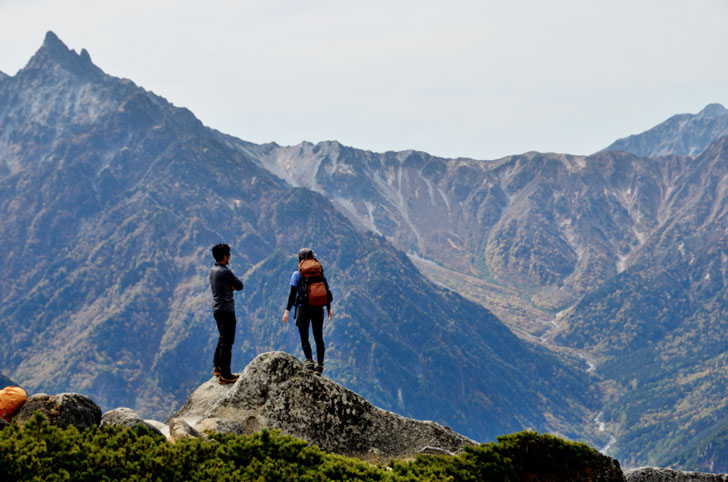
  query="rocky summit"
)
[
  {"x": 276, "y": 391},
  {"x": 681, "y": 134}
]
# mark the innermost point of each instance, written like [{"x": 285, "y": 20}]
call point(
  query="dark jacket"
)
[{"x": 222, "y": 283}]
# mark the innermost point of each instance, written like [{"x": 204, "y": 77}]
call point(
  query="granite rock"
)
[
  {"x": 275, "y": 391},
  {"x": 126, "y": 417},
  {"x": 651, "y": 474},
  {"x": 62, "y": 410},
  {"x": 179, "y": 429}
]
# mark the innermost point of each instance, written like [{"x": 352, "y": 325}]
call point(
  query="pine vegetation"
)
[{"x": 40, "y": 451}]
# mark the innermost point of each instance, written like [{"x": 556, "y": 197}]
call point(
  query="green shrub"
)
[
  {"x": 43, "y": 452},
  {"x": 512, "y": 458}
]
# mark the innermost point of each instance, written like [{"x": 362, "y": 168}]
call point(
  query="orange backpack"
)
[
  {"x": 11, "y": 399},
  {"x": 314, "y": 288}
]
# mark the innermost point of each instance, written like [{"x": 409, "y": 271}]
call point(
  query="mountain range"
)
[
  {"x": 111, "y": 199},
  {"x": 618, "y": 258},
  {"x": 538, "y": 291}
]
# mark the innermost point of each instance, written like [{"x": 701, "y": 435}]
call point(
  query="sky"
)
[{"x": 457, "y": 78}]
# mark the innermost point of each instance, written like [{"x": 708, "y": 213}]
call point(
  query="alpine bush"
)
[{"x": 38, "y": 451}]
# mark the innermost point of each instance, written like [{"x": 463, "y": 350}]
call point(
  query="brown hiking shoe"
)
[
  {"x": 319, "y": 369},
  {"x": 223, "y": 380},
  {"x": 309, "y": 365},
  {"x": 216, "y": 372}
]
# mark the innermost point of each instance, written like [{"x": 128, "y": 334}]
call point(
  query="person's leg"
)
[
  {"x": 302, "y": 321},
  {"x": 227, "y": 338},
  {"x": 218, "y": 348},
  {"x": 317, "y": 323}
]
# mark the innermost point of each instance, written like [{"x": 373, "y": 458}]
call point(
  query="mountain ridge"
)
[
  {"x": 681, "y": 134},
  {"x": 102, "y": 180},
  {"x": 556, "y": 240},
  {"x": 55, "y": 52},
  {"x": 117, "y": 195}
]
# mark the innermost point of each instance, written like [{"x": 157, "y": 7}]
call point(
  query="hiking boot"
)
[
  {"x": 224, "y": 380},
  {"x": 216, "y": 372},
  {"x": 319, "y": 369},
  {"x": 309, "y": 365}
]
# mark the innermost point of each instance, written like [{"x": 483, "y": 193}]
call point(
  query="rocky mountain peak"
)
[
  {"x": 682, "y": 134},
  {"x": 54, "y": 53},
  {"x": 713, "y": 110},
  {"x": 276, "y": 391}
]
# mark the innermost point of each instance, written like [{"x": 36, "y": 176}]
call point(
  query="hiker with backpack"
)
[
  {"x": 309, "y": 294},
  {"x": 222, "y": 283}
]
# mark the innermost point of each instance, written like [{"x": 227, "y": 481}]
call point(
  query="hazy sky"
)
[{"x": 479, "y": 79}]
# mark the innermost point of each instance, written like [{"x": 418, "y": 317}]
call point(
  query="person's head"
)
[
  {"x": 220, "y": 252},
  {"x": 305, "y": 253}
]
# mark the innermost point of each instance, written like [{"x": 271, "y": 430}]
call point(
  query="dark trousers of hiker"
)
[
  {"x": 314, "y": 316},
  {"x": 223, "y": 352}
]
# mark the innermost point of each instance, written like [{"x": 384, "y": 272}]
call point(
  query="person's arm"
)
[
  {"x": 291, "y": 301},
  {"x": 292, "y": 297},
  {"x": 329, "y": 297},
  {"x": 235, "y": 282}
]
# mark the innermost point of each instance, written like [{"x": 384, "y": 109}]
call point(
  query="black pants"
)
[
  {"x": 313, "y": 315},
  {"x": 223, "y": 352}
]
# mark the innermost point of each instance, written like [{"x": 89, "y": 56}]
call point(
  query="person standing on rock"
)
[
  {"x": 309, "y": 294},
  {"x": 222, "y": 283}
]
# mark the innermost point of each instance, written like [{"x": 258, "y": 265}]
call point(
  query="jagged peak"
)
[
  {"x": 54, "y": 52},
  {"x": 51, "y": 41}
]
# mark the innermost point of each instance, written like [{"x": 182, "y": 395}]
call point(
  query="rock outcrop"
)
[
  {"x": 126, "y": 417},
  {"x": 62, "y": 410},
  {"x": 179, "y": 429},
  {"x": 276, "y": 391},
  {"x": 651, "y": 474}
]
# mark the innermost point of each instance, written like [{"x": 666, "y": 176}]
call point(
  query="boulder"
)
[
  {"x": 275, "y": 391},
  {"x": 62, "y": 410},
  {"x": 179, "y": 429},
  {"x": 126, "y": 417},
  {"x": 160, "y": 427},
  {"x": 651, "y": 474}
]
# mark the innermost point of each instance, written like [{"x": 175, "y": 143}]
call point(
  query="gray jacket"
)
[{"x": 222, "y": 283}]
